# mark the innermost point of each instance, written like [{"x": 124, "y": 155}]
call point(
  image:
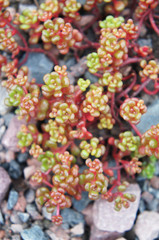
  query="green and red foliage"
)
[{"x": 65, "y": 112}]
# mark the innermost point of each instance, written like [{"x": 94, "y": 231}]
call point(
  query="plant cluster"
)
[{"x": 66, "y": 112}]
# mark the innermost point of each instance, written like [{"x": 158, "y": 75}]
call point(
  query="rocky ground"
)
[{"x": 20, "y": 215}]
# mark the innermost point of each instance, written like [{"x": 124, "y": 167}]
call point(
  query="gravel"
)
[{"x": 12, "y": 199}]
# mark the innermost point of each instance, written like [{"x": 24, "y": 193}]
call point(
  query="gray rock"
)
[
  {"x": 146, "y": 186},
  {"x": 31, "y": 209},
  {"x": 46, "y": 214},
  {"x": 79, "y": 69},
  {"x": 147, "y": 226},
  {"x": 47, "y": 224},
  {"x": 91, "y": 77},
  {"x": 71, "y": 217},
  {"x": 1, "y": 218},
  {"x": 16, "y": 228},
  {"x": 38, "y": 65},
  {"x": 14, "y": 218},
  {"x": 152, "y": 190},
  {"x": 51, "y": 235},
  {"x": 105, "y": 218},
  {"x": 154, "y": 205},
  {"x": 22, "y": 157},
  {"x": 12, "y": 199},
  {"x": 79, "y": 205},
  {"x": 145, "y": 42},
  {"x": 4, "y": 94},
  {"x": 1, "y": 122},
  {"x": 33, "y": 233},
  {"x": 9, "y": 139},
  {"x": 71, "y": 78},
  {"x": 30, "y": 195},
  {"x": 14, "y": 170},
  {"x": 85, "y": 20},
  {"x": 5, "y": 182},
  {"x": 142, "y": 206},
  {"x": 16, "y": 237},
  {"x": 2, "y": 130},
  {"x": 82, "y": 2},
  {"x": 71, "y": 61},
  {"x": 7, "y": 118},
  {"x": 151, "y": 117},
  {"x": 157, "y": 194},
  {"x": 24, "y": 217}
]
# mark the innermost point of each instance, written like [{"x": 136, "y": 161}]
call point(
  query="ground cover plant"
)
[{"x": 61, "y": 135}]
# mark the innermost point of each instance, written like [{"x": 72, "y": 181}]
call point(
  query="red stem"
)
[
  {"x": 63, "y": 148},
  {"x": 98, "y": 75},
  {"x": 114, "y": 185},
  {"x": 25, "y": 90},
  {"x": 47, "y": 183},
  {"x": 141, "y": 21},
  {"x": 135, "y": 129},
  {"x": 153, "y": 24},
  {"x": 112, "y": 110},
  {"x": 58, "y": 210},
  {"x": 144, "y": 84},
  {"x": 131, "y": 60},
  {"x": 128, "y": 89},
  {"x": 151, "y": 92}
]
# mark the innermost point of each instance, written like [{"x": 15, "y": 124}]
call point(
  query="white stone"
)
[
  {"x": 105, "y": 218},
  {"x": 147, "y": 225}
]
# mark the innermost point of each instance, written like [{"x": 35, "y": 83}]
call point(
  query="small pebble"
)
[
  {"x": 12, "y": 199},
  {"x": 147, "y": 197},
  {"x": 4, "y": 94},
  {"x": 16, "y": 237},
  {"x": 51, "y": 235},
  {"x": 79, "y": 205},
  {"x": 14, "y": 170},
  {"x": 14, "y": 218},
  {"x": 155, "y": 182},
  {"x": 71, "y": 217},
  {"x": 2, "y": 130},
  {"x": 91, "y": 77},
  {"x": 1, "y": 218},
  {"x": 142, "y": 206},
  {"x": 2, "y": 234},
  {"x": 4, "y": 183},
  {"x": 16, "y": 228},
  {"x": 1, "y": 122},
  {"x": 29, "y": 195},
  {"x": 24, "y": 217},
  {"x": 46, "y": 214},
  {"x": 29, "y": 171},
  {"x": 77, "y": 230},
  {"x": 22, "y": 157},
  {"x": 21, "y": 203},
  {"x": 31, "y": 209},
  {"x": 7, "y": 118},
  {"x": 9, "y": 156},
  {"x": 33, "y": 233},
  {"x": 153, "y": 205}
]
